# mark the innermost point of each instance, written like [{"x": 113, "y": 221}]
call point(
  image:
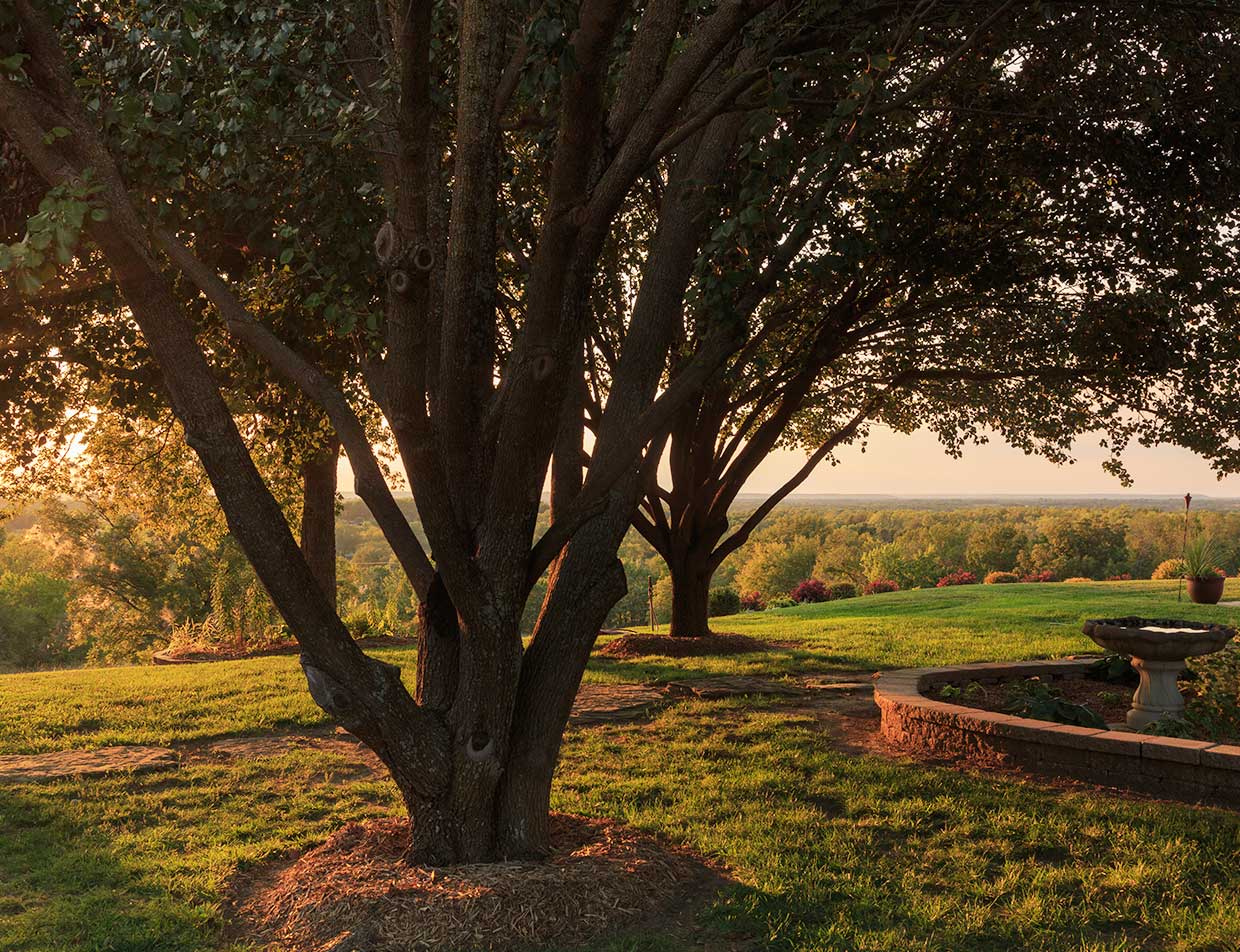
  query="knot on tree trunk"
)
[{"x": 330, "y": 695}]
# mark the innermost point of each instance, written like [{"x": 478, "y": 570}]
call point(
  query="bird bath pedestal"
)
[{"x": 1158, "y": 647}]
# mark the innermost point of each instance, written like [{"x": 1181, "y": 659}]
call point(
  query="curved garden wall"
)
[{"x": 1186, "y": 769}]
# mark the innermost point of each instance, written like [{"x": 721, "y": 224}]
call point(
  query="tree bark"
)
[
  {"x": 691, "y": 575},
  {"x": 318, "y": 515},
  {"x": 473, "y": 754}
]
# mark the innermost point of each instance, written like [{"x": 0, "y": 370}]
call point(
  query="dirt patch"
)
[
  {"x": 596, "y": 703},
  {"x": 639, "y": 646},
  {"x": 167, "y": 656},
  {"x": 354, "y": 893},
  {"x": 62, "y": 764},
  {"x": 711, "y": 689},
  {"x": 1111, "y": 701}
]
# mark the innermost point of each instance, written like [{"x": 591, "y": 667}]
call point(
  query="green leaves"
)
[
  {"x": 13, "y": 64},
  {"x": 52, "y": 236}
]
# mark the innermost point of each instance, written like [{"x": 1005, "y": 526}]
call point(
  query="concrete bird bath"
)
[{"x": 1158, "y": 647}]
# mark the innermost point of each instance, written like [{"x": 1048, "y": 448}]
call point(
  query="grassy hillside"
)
[{"x": 103, "y": 706}]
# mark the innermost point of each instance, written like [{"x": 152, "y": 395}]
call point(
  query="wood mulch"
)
[
  {"x": 355, "y": 893},
  {"x": 640, "y": 646}
]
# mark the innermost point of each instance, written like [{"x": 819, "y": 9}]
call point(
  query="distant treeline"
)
[
  {"x": 79, "y": 585},
  {"x": 916, "y": 547}
]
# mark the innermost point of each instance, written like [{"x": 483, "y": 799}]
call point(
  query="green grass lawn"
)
[
  {"x": 832, "y": 851},
  {"x": 100, "y": 707}
]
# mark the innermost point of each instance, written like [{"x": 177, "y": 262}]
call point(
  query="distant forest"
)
[{"x": 86, "y": 584}]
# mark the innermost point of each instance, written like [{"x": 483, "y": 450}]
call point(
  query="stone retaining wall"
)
[{"x": 1186, "y": 769}]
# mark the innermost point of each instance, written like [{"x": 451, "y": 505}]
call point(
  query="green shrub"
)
[
  {"x": 32, "y": 618},
  {"x": 783, "y": 601},
  {"x": 1213, "y": 707},
  {"x": 841, "y": 590},
  {"x": 724, "y": 601}
]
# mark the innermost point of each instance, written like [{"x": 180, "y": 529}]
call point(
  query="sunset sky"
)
[{"x": 916, "y": 465}]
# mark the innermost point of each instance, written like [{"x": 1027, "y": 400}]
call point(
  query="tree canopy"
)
[{"x": 485, "y": 225}]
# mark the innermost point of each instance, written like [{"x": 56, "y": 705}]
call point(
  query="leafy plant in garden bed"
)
[
  {"x": 1213, "y": 699},
  {"x": 1113, "y": 669},
  {"x": 1037, "y": 700}
]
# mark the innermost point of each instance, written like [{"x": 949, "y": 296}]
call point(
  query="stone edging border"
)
[{"x": 1166, "y": 766}]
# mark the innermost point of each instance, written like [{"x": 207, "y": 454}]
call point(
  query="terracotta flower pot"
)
[{"x": 1206, "y": 591}]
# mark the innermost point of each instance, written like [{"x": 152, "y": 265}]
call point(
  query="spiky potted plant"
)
[{"x": 1203, "y": 578}]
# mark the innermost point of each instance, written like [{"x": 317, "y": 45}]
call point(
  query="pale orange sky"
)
[{"x": 915, "y": 465}]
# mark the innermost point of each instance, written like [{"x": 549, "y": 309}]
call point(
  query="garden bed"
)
[
  {"x": 916, "y": 719},
  {"x": 1109, "y": 701}
]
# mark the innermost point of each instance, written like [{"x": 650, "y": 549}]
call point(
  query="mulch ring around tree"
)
[
  {"x": 355, "y": 893},
  {"x": 634, "y": 645}
]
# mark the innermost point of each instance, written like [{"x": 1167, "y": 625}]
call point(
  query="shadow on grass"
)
[
  {"x": 65, "y": 887},
  {"x": 774, "y": 662}
]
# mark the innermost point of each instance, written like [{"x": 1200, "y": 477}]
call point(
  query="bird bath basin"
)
[{"x": 1158, "y": 647}]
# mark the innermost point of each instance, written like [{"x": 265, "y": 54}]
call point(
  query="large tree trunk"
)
[
  {"x": 691, "y": 575},
  {"x": 318, "y": 515}
]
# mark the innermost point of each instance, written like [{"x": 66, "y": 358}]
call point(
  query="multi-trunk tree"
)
[
  {"x": 1040, "y": 247},
  {"x": 510, "y": 157}
]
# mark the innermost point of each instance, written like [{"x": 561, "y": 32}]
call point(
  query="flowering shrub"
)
[
  {"x": 1122, "y": 577},
  {"x": 879, "y": 586},
  {"x": 1001, "y": 578},
  {"x": 959, "y": 577},
  {"x": 811, "y": 590},
  {"x": 841, "y": 590},
  {"x": 1046, "y": 575},
  {"x": 753, "y": 602},
  {"x": 1171, "y": 568}
]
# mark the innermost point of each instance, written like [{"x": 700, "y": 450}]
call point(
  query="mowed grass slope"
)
[
  {"x": 160, "y": 705},
  {"x": 833, "y": 852}
]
